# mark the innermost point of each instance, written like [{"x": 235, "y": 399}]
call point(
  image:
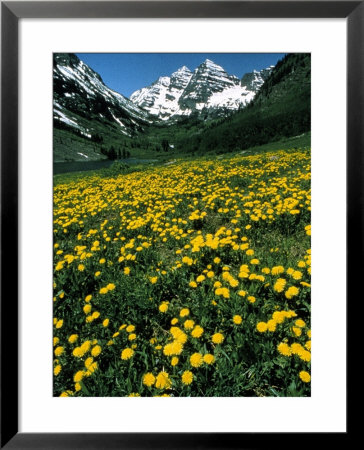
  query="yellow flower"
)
[
  {"x": 149, "y": 379},
  {"x": 130, "y": 328},
  {"x": 297, "y": 331},
  {"x": 262, "y": 327},
  {"x": 217, "y": 260},
  {"x": 132, "y": 336},
  {"x": 208, "y": 358},
  {"x": 105, "y": 323},
  {"x": 103, "y": 290},
  {"x": 184, "y": 312},
  {"x": 189, "y": 324},
  {"x": 87, "y": 309},
  {"x": 277, "y": 270},
  {"x": 279, "y": 285},
  {"x": 66, "y": 394},
  {"x": 126, "y": 270},
  {"x": 78, "y": 376},
  {"x": 127, "y": 353},
  {"x": 96, "y": 350},
  {"x": 174, "y": 361},
  {"x": 305, "y": 376},
  {"x": 237, "y": 319},
  {"x": 163, "y": 307},
  {"x": 73, "y": 338},
  {"x": 81, "y": 267},
  {"x": 284, "y": 349},
  {"x": 88, "y": 298},
  {"x": 193, "y": 284},
  {"x": 278, "y": 316},
  {"x": 271, "y": 325},
  {"x": 217, "y": 338},
  {"x": 57, "y": 369},
  {"x": 163, "y": 381},
  {"x": 153, "y": 280},
  {"x": 59, "y": 324},
  {"x": 187, "y": 377},
  {"x": 58, "y": 351},
  {"x": 251, "y": 299},
  {"x": 300, "y": 323},
  {"x": 110, "y": 286},
  {"x": 196, "y": 360},
  {"x": 242, "y": 293},
  {"x": 174, "y": 321},
  {"x": 77, "y": 387},
  {"x": 55, "y": 341},
  {"x": 291, "y": 292},
  {"x": 88, "y": 362},
  {"x": 197, "y": 331}
]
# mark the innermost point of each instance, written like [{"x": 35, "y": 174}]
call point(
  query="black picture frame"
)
[{"x": 11, "y": 12}]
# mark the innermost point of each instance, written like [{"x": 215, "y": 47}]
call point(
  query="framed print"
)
[{"x": 157, "y": 160}]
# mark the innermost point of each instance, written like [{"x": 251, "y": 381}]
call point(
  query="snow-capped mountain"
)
[
  {"x": 209, "y": 88},
  {"x": 161, "y": 97},
  {"x": 80, "y": 98}
]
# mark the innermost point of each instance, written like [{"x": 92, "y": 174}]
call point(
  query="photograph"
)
[{"x": 181, "y": 224}]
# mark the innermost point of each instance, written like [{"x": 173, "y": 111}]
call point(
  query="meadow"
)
[{"x": 190, "y": 278}]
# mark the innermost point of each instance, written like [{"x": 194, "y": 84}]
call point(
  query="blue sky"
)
[{"x": 127, "y": 72}]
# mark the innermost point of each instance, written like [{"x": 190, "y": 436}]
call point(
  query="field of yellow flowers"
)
[{"x": 188, "y": 279}]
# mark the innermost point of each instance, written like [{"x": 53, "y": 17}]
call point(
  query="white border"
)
[{"x": 326, "y": 410}]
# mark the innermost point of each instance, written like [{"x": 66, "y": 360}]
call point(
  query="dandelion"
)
[
  {"x": 149, "y": 379},
  {"x": 208, "y": 358},
  {"x": 174, "y": 361},
  {"x": 163, "y": 307},
  {"x": 105, "y": 323},
  {"x": 96, "y": 350},
  {"x": 187, "y": 377},
  {"x": 217, "y": 338},
  {"x": 197, "y": 331},
  {"x": 184, "y": 312},
  {"x": 189, "y": 324},
  {"x": 262, "y": 327},
  {"x": 196, "y": 360},
  {"x": 251, "y": 299},
  {"x": 279, "y": 285},
  {"x": 58, "y": 351},
  {"x": 127, "y": 353},
  {"x": 305, "y": 376},
  {"x": 78, "y": 376},
  {"x": 130, "y": 328},
  {"x": 163, "y": 381},
  {"x": 57, "y": 369},
  {"x": 237, "y": 320},
  {"x": 284, "y": 349},
  {"x": 291, "y": 292}
]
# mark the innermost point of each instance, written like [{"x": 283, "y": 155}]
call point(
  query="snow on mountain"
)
[
  {"x": 161, "y": 97},
  {"x": 80, "y": 93},
  {"x": 208, "y": 87}
]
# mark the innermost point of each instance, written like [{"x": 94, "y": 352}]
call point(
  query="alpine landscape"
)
[{"x": 182, "y": 254}]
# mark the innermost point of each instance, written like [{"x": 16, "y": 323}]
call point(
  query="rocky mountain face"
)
[
  {"x": 82, "y": 102},
  {"x": 209, "y": 88}
]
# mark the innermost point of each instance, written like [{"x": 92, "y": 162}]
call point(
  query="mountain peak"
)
[{"x": 183, "y": 69}]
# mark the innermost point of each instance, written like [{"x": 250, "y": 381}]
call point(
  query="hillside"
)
[{"x": 282, "y": 108}]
